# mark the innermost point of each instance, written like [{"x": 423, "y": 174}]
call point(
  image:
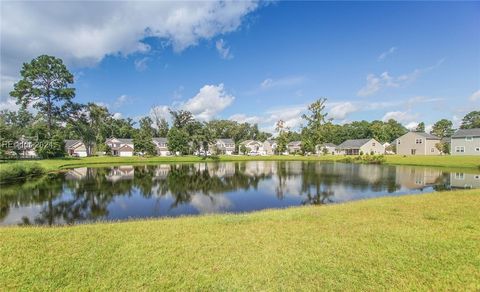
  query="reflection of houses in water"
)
[
  {"x": 76, "y": 173},
  {"x": 256, "y": 168},
  {"x": 417, "y": 178},
  {"x": 124, "y": 172},
  {"x": 162, "y": 170},
  {"x": 464, "y": 180}
]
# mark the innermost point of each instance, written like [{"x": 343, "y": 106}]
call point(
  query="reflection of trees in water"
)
[{"x": 69, "y": 199}]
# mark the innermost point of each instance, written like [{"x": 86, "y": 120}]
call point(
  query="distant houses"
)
[
  {"x": 161, "y": 146},
  {"x": 466, "y": 142},
  {"x": 75, "y": 148},
  {"x": 326, "y": 148},
  {"x": 225, "y": 146},
  {"x": 294, "y": 147},
  {"x": 120, "y": 147},
  {"x": 418, "y": 143},
  {"x": 360, "y": 146}
]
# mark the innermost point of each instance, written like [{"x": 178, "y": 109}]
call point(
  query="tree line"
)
[{"x": 46, "y": 85}]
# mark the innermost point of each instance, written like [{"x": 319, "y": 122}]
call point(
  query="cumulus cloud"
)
[
  {"x": 475, "y": 96},
  {"x": 223, "y": 50},
  {"x": 339, "y": 111},
  {"x": 121, "y": 101},
  {"x": 376, "y": 83},
  {"x": 83, "y": 33},
  {"x": 408, "y": 119},
  {"x": 209, "y": 101},
  {"x": 242, "y": 118},
  {"x": 383, "y": 55}
]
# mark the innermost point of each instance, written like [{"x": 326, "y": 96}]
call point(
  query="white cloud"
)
[
  {"x": 282, "y": 82},
  {"x": 339, "y": 111},
  {"x": 9, "y": 104},
  {"x": 242, "y": 118},
  {"x": 383, "y": 55},
  {"x": 141, "y": 64},
  {"x": 161, "y": 111},
  {"x": 83, "y": 33},
  {"x": 122, "y": 100},
  {"x": 223, "y": 49},
  {"x": 209, "y": 101},
  {"x": 117, "y": 116},
  {"x": 406, "y": 118},
  {"x": 411, "y": 125},
  {"x": 376, "y": 83},
  {"x": 475, "y": 96}
]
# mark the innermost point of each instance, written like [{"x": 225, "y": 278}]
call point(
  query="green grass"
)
[
  {"x": 423, "y": 242},
  {"x": 20, "y": 170}
]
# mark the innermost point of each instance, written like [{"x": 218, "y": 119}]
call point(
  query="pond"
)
[{"x": 169, "y": 190}]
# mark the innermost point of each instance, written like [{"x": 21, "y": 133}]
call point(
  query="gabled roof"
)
[
  {"x": 71, "y": 143},
  {"x": 428, "y": 136},
  {"x": 226, "y": 141},
  {"x": 354, "y": 143},
  {"x": 247, "y": 142},
  {"x": 462, "y": 133},
  {"x": 121, "y": 140},
  {"x": 162, "y": 140},
  {"x": 327, "y": 145},
  {"x": 294, "y": 143},
  {"x": 125, "y": 148}
]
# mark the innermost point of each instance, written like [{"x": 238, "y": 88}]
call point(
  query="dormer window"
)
[
  {"x": 418, "y": 141},
  {"x": 469, "y": 138}
]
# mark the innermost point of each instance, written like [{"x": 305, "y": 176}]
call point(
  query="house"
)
[
  {"x": 360, "y": 146},
  {"x": 253, "y": 147},
  {"x": 75, "y": 148},
  {"x": 418, "y": 143},
  {"x": 325, "y": 148},
  {"x": 269, "y": 147},
  {"x": 461, "y": 180},
  {"x": 388, "y": 148},
  {"x": 161, "y": 146},
  {"x": 225, "y": 146},
  {"x": 294, "y": 147},
  {"x": 466, "y": 142},
  {"x": 25, "y": 148},
  {"x": 120, "y": 147}
]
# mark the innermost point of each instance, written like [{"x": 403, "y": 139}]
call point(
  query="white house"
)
[
  {"x": 269, "y": 147},
  {"x": 161, "y": 146},
  {"x": 466, "y": 142},
  {"x": 294, "y": 147},
  {"x": 253, "y": 147},
  {"x": 325, "y": 148},
  {"x": 120, "y": 147},
  {"x": 225, "y": 146},
  {"x": 360, "y": 146},
  {"x": 75, "y": 148}
]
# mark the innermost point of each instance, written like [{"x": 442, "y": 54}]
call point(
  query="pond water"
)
[{"x": 124, "y": 192}]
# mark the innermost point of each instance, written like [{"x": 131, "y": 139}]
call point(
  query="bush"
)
[{"x": 12, "y": 171}]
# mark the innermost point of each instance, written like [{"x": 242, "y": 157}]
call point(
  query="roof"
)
[
  {"x": 354, "y": 143},
  {"x": 226, "y": 141},
  {"x": 71, "y": 143},
  {"x": 427, "y": 135},
  {"x": 246, "y": 142},
  {"x": 160, "y": 140},
  {"x": 122, "y": 140},
  {"x": 327, "y": 145},
  {"x": 125, "y": 148},
  {"x": 294, "y": 143},
  {"x": 462, "y": 133}
]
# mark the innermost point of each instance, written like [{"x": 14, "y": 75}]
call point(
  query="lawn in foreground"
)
[{"x": 422, "y": 242}]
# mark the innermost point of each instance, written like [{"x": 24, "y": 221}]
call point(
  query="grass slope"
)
[{"x": 425, "y": 242}]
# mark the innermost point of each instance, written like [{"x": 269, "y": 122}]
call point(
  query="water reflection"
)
[{"x": 89, "y": 194}]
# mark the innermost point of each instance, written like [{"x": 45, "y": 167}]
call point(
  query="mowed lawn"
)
[
  {"x": 422, "y": 242},
  {"x": 435, "y": 161}
]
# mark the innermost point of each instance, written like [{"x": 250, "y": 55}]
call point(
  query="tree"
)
[
  {"x": 181, "y": 118},
  {"x": 202, "y": 139},
  {"x": 471, "y": 120},
  {"x": 442, "y": 128},
  {"x": 178, "y": 141},
  {"x": 243, "y": 149},
  {"x": 143, "y": 139},
  {"x": 45, "y": 84},
  {"x": 282, "y": 138},
  {"x": 420, "y": 127},
  {"x": 52, "y": 147},
  {"x": 315, "y": 121},
  {"x": 160, "y": 122}
]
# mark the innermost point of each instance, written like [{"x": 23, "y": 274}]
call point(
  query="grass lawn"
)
[{"x": 423, "y": 242}]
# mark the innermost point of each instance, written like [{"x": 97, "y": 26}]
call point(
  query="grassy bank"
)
[
  {"x": 19, "y": 170},
  {"x": 425, "y": 242},
  {"x": 464, "y": 162}
]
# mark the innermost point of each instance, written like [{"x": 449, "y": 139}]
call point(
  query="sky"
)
[{"x": 256, "y": 62}]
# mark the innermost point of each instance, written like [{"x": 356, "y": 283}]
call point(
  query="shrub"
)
[{"x": 12, "y": 171}]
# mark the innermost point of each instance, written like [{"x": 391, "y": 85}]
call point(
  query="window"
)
[
  {"x": 460, "y": 149},
  {"x": 398, "y": 142},
  {"x": 477, "y": 149},
  {"x": 469, "y": 138},
  {"x": 432, "y": 150},
  {"x": 373, "y": 143},
  {"x": 459, "y": 175},
  {"x": 418, "y": 141},
  {"x": 477, "y": 176}
]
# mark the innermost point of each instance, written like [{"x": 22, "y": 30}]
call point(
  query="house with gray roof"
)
[
  {"x": 225, "y": 146},
  {"x": 75, "y": 148},
  {"x": 161, "y": 146},
  {"x": 360, "y": 146},
  {"x": 294, "y": 147},
  {"x": 466, "y": 142},
  {"x": 418, "y": 143},
  {"x": 120, "y": 147}
]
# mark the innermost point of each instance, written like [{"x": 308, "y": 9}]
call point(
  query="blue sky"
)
[{"x": 259, "y": 62}]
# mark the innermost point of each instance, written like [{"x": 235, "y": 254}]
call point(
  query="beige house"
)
[
  {"x": 294, "y": 147},
  {"x": 418, "y": 143},
  {"x": 269, "y": 147},
  {"x": 75, "y": 148},
  {"x": 120, "y": 147},
  {"x": 225, "y": 146},
  {"x": 360, "y": 146},
  {"x": 466, "y": 142},
  {"x": 253, "y": 147},
  {"x": 464, "y": 180},
  {"x": 161, "y": 146}
]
